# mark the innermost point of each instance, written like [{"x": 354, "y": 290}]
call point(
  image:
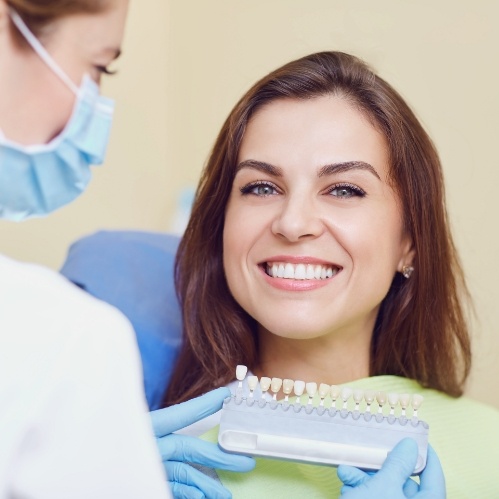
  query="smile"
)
[{"x": 300, "y": 271}]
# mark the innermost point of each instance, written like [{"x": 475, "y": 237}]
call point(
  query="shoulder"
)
[{"x": 41, "y": 304}]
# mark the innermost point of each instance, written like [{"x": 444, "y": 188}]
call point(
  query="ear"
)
[{"x": 407, "y": 253}]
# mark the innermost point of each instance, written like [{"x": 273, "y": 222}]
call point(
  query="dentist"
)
[{"x": 73, "y": 416}]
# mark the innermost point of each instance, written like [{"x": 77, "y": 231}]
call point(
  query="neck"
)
[{"x": 332, "y": 359}]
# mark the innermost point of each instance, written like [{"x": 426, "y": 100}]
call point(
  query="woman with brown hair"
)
[{"x": 319, "y": 249}]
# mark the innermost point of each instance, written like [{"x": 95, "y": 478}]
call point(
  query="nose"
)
[{"x": 297, "y": 219}]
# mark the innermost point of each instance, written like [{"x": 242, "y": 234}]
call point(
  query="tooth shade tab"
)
[
  {"x": 241, "y": 372},
  {"x": 275, "y": 386},
  {"x": 324, "y": 390},
  {"x": 252, "y": 384},
  {"x": 265, "y": 384},
  {"x": 393, "y": 400},
  {"x": 358, "y": 395},
  {"x": 404, "y": 401},
  {"x": 346, "y": 393},
  {"x": 287, "y": 386},
  {"x": 335, "y": 393},
  {"x": 369, "y": 396},
  {"x": 381, "y": 399},
  {"x": 311, "y": 391},
  {"x": 300, "y": 271},
  {"x": 417, "y": 400},
  {"x": 299, "y": 388}
]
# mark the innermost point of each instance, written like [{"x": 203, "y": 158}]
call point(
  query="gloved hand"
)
[
  {"x": 179, "y": 450},
  {"x": 393, "y": 480}
]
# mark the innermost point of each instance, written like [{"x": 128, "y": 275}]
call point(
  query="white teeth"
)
[
  {"x": 310, "y": 272},
  {"x": 272, "y": 270},
  {"x": 300, "y": 271},
  {"x": 317, "y": 271},
  {"x": 289, "y": 271}
]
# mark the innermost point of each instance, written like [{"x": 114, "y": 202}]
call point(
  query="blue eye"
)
[
  {"x": 261, "y": 189},
  {"x": 346, "y": 191}
]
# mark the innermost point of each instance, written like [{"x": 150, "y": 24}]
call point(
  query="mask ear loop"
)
[{"x": 41, "y": 50}]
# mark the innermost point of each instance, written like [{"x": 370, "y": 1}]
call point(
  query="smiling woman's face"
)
[{"x": 313, "y": 231}]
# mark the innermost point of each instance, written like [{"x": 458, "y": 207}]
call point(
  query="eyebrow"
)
[
  {"x": 275, "y": 171},
  {"x": 346, "y": 166},
  {"x": 323, "y": 171}
]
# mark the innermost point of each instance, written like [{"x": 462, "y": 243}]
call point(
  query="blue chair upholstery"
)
[{"x": 133, "y": 271}]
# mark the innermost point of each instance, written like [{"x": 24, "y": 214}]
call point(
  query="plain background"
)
[{"x": 185, "y": 63}]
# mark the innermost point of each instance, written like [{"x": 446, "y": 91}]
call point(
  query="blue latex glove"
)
[
  {"x": 393, "y": 480},
  {"x": 177, "y": 451}
]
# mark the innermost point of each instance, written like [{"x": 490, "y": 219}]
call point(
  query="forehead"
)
[
  {"x": 314, "y": 132},
  {"x": 91, "y": 32}
]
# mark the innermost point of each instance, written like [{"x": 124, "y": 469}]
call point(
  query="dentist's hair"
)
[
  {"x": 38, "y": 14},
  {"x": 421, "y": 331}
]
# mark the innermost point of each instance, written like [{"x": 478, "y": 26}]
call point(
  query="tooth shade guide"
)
[
  {"x": 264, "y": 423},
  {"x": 327, "y": 395}
]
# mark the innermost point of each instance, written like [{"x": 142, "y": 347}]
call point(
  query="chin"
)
[{"x": 294, "y": 330}]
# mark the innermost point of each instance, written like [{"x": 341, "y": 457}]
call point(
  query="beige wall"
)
[{"x": 185, "y": 64}]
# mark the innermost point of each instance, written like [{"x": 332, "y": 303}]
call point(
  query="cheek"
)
[
  {"x": 54, "y": 104},
  {"x": 233, "y": 241},
  {"x": 372, "y": 238}
]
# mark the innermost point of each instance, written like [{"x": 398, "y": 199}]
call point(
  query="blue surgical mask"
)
[{"x": 38, "y": 179}]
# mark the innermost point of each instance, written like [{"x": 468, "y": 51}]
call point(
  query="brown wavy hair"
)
[{"x": 421, "y": 330}]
